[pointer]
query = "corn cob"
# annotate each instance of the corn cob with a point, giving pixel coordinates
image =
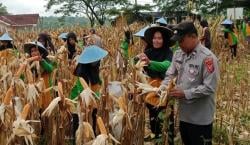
(29, 76)
(8, 96)
(25, 112)
(101, 125)
(83, 83)
(122, 104)
(33, 58)
(60, 91)
(20, 70)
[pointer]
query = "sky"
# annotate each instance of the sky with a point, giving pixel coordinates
(35, 6)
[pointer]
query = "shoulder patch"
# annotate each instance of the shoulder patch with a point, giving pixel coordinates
(209, 64)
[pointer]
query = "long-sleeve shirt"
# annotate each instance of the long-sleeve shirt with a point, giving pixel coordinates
(124, 46)
(47, 66)
(159, 66)
(197, 75)
(231, 36)
(244, 29)
(76, 90)
(90, 72)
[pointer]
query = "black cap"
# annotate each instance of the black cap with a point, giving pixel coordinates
(182, 29)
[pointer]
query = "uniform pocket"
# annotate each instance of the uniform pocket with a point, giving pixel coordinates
(193, 72)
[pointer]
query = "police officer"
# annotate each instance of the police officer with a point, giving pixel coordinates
(197, 73)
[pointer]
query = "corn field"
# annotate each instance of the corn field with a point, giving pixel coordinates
(120, 119)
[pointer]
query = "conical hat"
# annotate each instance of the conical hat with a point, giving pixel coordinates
(91, 54)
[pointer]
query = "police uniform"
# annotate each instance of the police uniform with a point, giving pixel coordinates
(197, 74)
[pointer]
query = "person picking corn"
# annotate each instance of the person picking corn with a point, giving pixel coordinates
(197, 72)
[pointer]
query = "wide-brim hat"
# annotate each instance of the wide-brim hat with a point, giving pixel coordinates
(149, 33)
(227, 22)
(63, 36)
(27, 46)
(91, 54)
(161, 21)
(5, 37)
(141, 32)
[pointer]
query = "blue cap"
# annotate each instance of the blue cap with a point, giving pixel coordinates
(27, 46)
(227, 22)
(161, 21)
(5, 37)
(141, 32)
(63, 35)
(91, 54)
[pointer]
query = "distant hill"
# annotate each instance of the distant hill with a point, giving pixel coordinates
(55, 22)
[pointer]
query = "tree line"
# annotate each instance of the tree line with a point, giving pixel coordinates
(99, 11)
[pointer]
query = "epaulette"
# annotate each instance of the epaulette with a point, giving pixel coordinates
(206, 51)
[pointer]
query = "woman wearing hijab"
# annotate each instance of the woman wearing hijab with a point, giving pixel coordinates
(6, 43)
(88, 69)
(247, 33)
(71, 45)
(63, 36)
(125, 44)
(230, 36)
(158, 58)
(206, 36)
(37, 49)
(45, 39)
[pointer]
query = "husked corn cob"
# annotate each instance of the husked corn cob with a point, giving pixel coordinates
(8, 96)
(25, 112)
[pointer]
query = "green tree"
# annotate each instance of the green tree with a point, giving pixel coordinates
(3, 9)
(171, 5)
(95, 10)
(208, 6)
(133, 12)
(201, 6)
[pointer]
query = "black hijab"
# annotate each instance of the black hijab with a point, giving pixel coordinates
(160, 55)
(71, 48)
(43, 37)
(9, 45)
(90, 72)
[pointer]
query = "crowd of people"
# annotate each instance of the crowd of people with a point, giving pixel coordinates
(193, 64)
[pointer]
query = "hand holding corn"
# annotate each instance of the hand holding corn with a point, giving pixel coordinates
(177, 93)
(164, 91)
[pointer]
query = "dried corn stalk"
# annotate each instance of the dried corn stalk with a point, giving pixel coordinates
(116, 123)
(54, 104)
(69, 104)
(146, 88)
(32, 93)
(88, 98)
(139, 71)
(101, 139)
(84, 133)
(164, 93)
(21, 128)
